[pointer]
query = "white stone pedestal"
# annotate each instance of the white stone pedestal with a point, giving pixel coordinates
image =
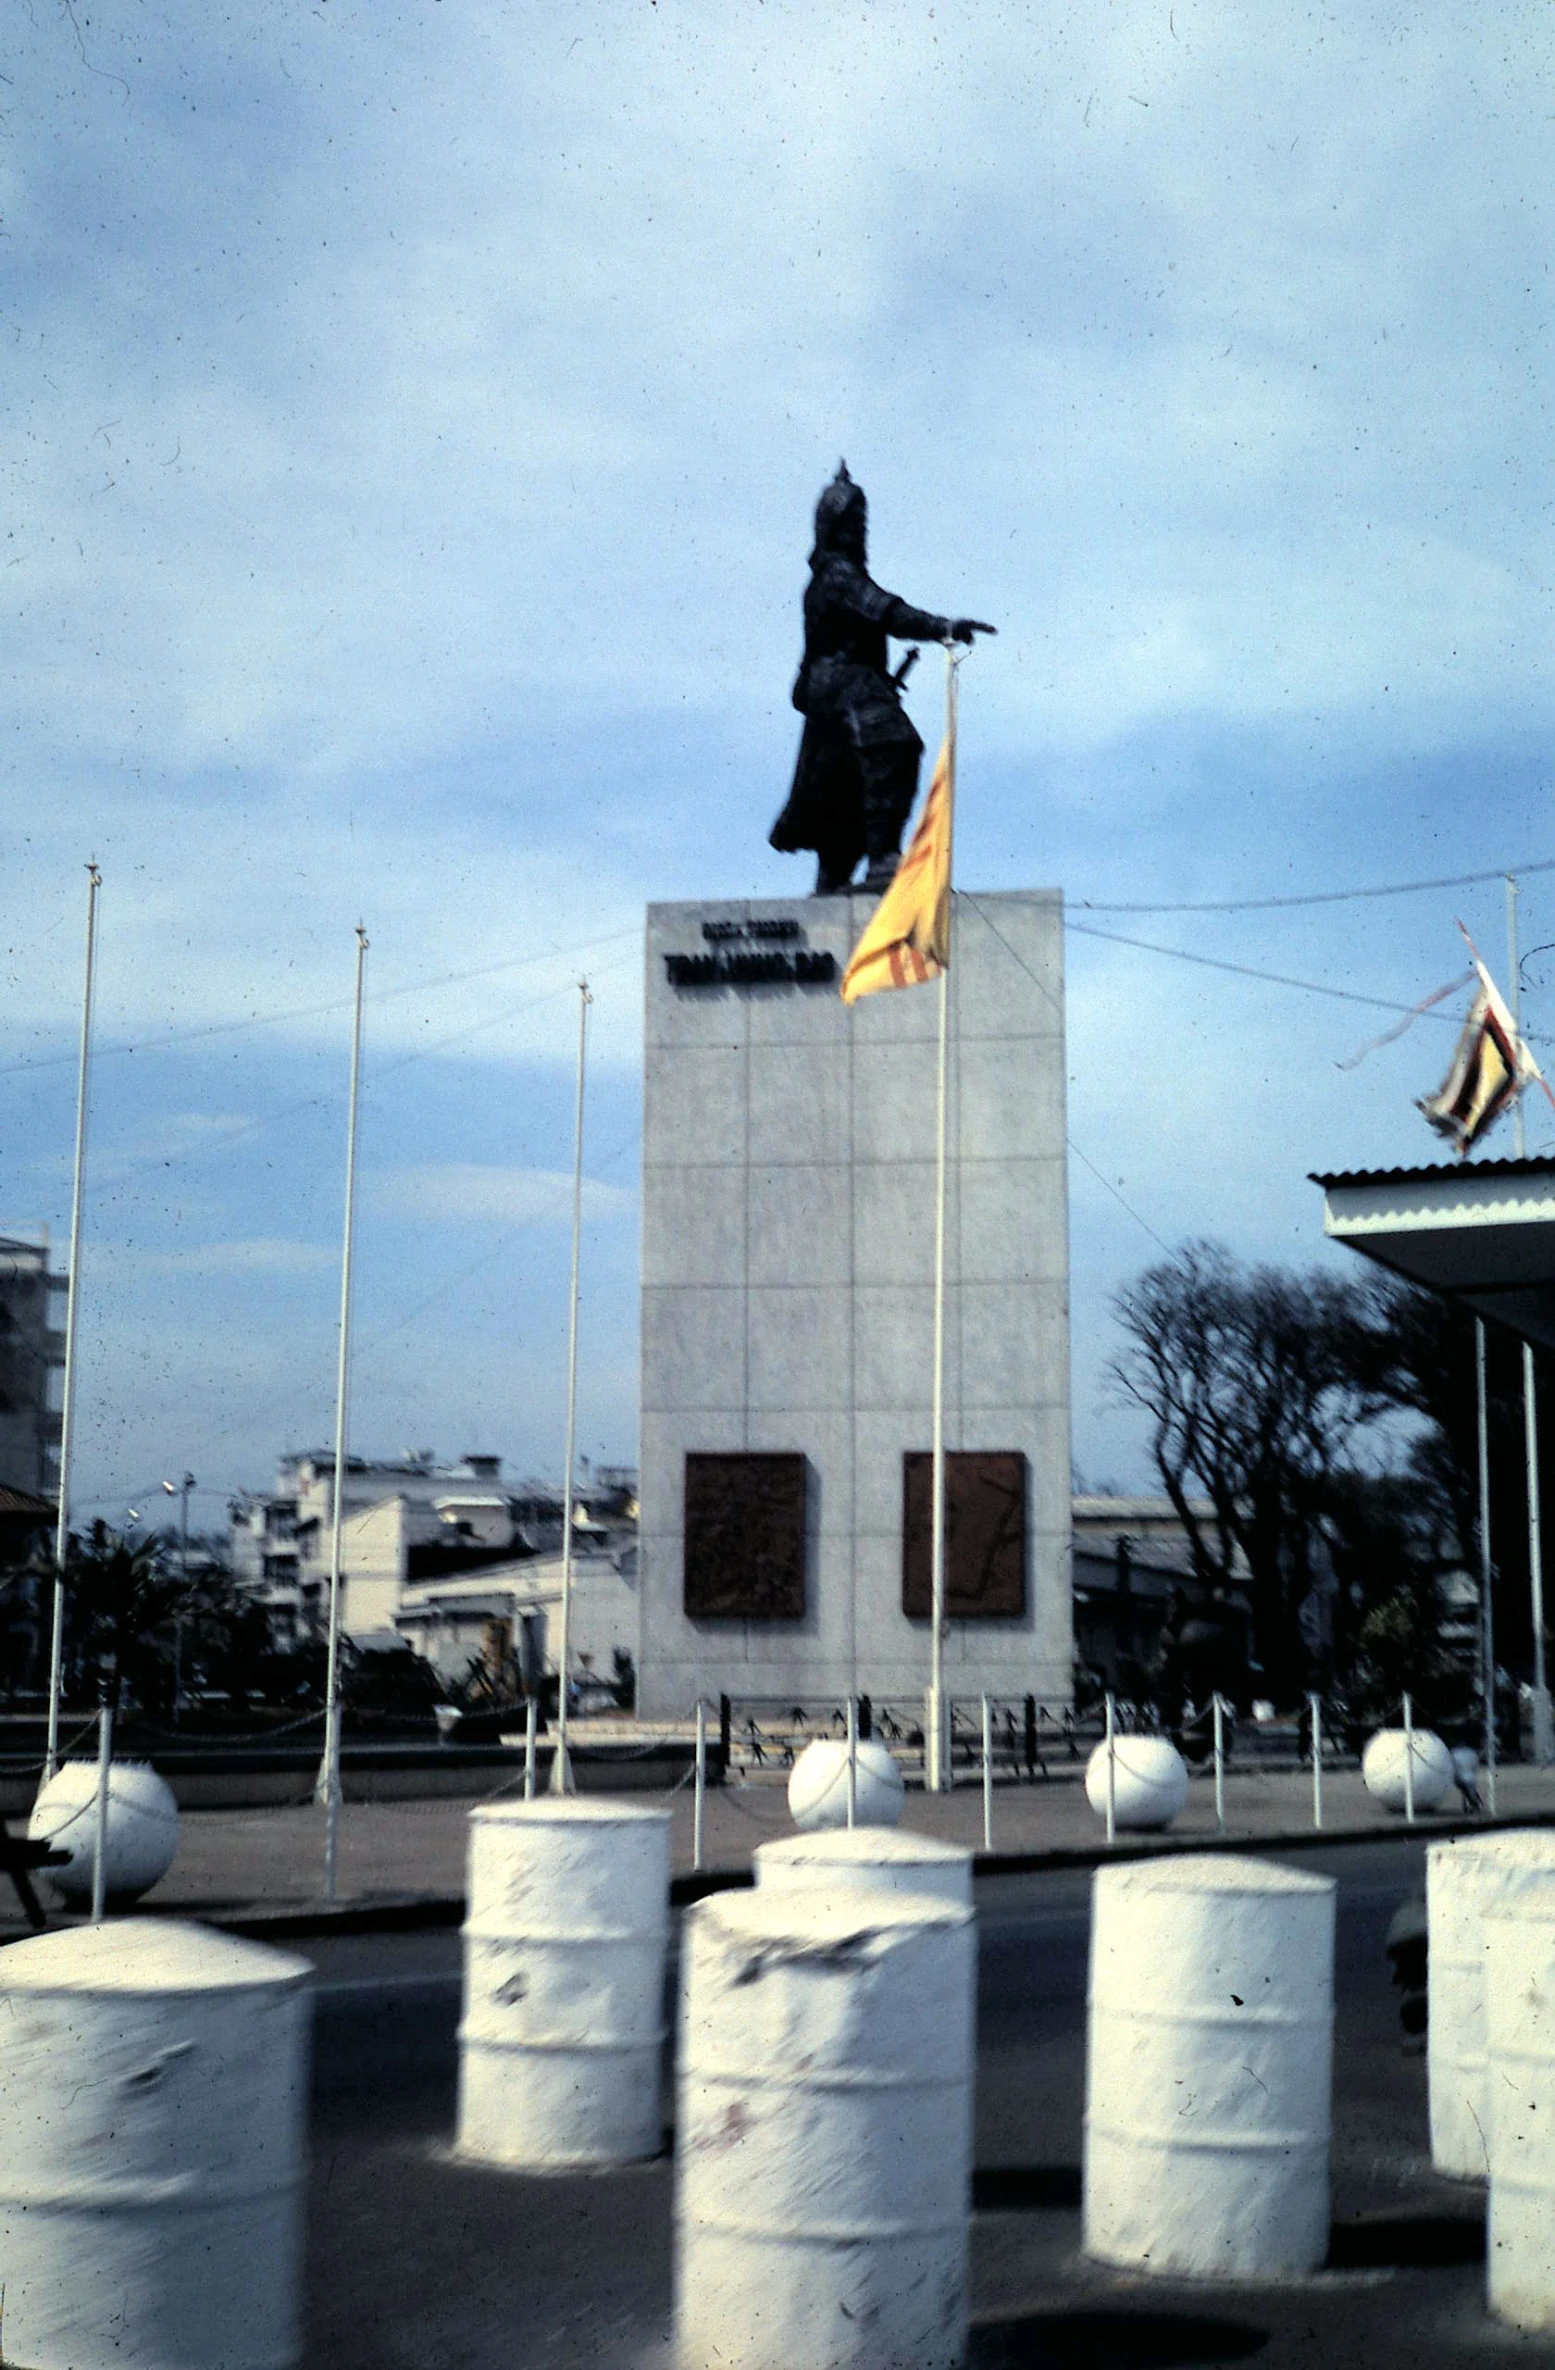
(788, 1266)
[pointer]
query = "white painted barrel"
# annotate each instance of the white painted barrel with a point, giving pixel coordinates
(818, 1785)
(1208, 2068)
(878, 1859)
(153, 2094)
(1520, 2223)
(824, 2134)
(1467, 1881)
(142, 1828)
(1391, 1752)
(1149, 1781)
(564, 1952)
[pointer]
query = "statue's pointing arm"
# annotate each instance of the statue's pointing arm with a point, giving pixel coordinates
(902, 621)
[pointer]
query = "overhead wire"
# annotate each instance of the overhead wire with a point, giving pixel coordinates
(267, 1020)
(393, 1327)
(429, 984)
(390, 1330)
(1460, 880)
(419, 1053)
(1084, 1158)
(1309, 987)
(436, 981)
(320, 1102)
(1082, 928)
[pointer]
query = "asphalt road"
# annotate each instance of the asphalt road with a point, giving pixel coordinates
(416, 2260)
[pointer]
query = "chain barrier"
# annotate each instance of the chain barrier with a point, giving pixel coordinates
(468, 1802)
(21, 1769)
(1028, 1742)
(220, 1743)
(1025, 1734)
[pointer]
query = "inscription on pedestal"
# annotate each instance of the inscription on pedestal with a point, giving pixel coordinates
(985, 1533)
(752, 953)
(744, 1537)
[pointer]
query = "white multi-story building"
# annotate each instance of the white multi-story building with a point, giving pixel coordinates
(283, 1543)
(435, 1554)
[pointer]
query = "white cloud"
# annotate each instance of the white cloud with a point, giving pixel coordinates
(449, 429)
(461, 1191)
(259, 1255)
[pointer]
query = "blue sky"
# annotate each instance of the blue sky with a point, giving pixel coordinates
(412, 419)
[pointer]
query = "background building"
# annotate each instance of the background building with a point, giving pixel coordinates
(282, 1543)
(509, 1616)
(1133, 1571)
(444, 1555)
(26, 1536)
(32, 1364)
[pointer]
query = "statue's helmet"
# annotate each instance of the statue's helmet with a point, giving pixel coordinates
(840, 516)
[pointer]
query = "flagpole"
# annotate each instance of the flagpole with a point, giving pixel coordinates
(936, 1773)
(1539, 1704)
(1487, 1612)
(327, 1789)
(94, 881)
(561, 1766)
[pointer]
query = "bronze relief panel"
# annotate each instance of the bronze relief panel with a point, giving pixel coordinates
(985, 1533)
(745, 1537)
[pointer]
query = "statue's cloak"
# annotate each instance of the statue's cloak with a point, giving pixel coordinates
(846, 694)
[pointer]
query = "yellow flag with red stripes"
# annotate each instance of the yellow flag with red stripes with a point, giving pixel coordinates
(908, 939)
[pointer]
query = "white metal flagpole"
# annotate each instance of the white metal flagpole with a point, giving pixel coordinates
(936, 1760)
(1487, 1610)
(1543, 1717)
(72, 1305)
(561, 1766)
(1514, 1000)
(327, 1790)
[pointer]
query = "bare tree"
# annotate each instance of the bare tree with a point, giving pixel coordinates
(1257, 1383)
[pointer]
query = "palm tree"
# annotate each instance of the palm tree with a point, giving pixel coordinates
(121, 1602)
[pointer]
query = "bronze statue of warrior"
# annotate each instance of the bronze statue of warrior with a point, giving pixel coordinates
(857, 774)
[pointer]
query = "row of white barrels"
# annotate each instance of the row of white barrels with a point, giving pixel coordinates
(823, 2128)
(153, 2078)
(826, 2060)
(153, 2086)
(826, 2055)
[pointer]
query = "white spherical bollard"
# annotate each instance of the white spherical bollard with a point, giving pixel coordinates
(818, 1785)
(564, 1952)
(824, 2134)
(142, 1826)
(1385, 1760)
(1520, 2224)
(876, 1859)
(1467, 1882)
(1208, 2068)
(1150, 1781)
(153, 2100)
